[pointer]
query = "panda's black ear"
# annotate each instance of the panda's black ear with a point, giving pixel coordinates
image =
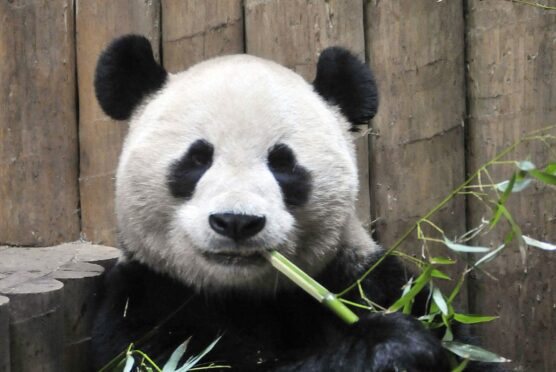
(343, 80)
(126, 72)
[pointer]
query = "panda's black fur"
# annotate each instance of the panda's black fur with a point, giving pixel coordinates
(280, 330)
(288, 331)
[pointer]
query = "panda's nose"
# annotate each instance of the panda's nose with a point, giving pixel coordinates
(236, 226)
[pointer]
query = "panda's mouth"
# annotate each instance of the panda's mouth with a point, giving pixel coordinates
(242, 258)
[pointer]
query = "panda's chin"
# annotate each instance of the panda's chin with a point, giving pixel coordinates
(228, 258)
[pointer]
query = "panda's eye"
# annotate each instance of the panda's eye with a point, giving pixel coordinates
(294, 179)
(187, 171)
(199, 154)
(281, 158)
(200, 159)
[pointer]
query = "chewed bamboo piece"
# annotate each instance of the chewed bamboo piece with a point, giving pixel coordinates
(311, 286)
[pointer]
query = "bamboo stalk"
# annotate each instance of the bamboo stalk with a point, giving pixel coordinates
(311, 286)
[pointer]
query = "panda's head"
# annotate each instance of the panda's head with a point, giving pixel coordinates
(232, 157)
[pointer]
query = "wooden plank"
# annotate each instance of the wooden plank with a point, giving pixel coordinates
(294, 33)
(100, 139)
(38, 132)
(195, 30)
(512, 75)
(4, 334)
(418, 152)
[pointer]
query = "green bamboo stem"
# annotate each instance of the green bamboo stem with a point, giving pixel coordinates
(311, 286)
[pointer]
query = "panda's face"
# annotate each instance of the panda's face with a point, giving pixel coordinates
(233, 157)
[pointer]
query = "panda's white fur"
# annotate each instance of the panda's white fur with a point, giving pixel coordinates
(242, 105)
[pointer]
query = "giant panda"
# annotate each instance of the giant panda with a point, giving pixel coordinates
(233, 157)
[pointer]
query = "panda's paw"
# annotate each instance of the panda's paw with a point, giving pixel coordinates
(400, 343)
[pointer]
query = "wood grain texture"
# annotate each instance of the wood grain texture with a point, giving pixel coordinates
(293, 33)
(196, 30)
(38, 132)
(512, 80)
(4, 334)
(52, 293)
(416, 51)
(100, 138)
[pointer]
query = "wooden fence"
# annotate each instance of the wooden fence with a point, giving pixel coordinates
(459, 81)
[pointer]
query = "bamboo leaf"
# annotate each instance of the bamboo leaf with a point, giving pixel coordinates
(172, 363)
(550, 168)
(440, 275)
(538, 244)
(420, 282)
(502, 201)
(129, 362)
(407, 307)
(407, 287)
(516, 230)
(547, 178)
(489, 256)
(191, 362)
(473, 352)
(473, 318)
(427, 318)
(519, 185)
(526, 165)
(448, 335)
(439, 301)
(461, 367)
(464, 248)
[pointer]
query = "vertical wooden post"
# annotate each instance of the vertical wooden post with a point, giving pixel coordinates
(511, 91)
(38, 132)
(195, 30)
(100, 138)
(294, 33)
(416, 50)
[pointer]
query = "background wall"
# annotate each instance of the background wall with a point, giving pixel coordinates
(459, 81)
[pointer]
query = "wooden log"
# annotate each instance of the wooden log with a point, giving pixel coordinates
(38, 132)
(294, 33)
(512, 74)
(100, 139)
(4, 334)
(195, 30)
(52, 294)
(36, 325)
(82, 282)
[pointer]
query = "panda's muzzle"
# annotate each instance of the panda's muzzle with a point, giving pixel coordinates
(237, 227)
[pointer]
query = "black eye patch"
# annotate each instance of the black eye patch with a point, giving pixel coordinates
(187, 171)
(294, 180)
